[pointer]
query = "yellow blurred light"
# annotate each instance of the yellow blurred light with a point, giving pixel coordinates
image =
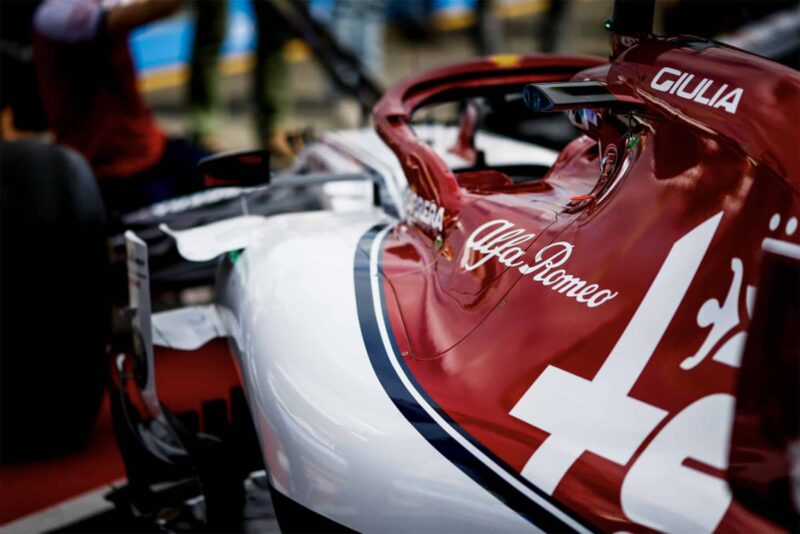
(505, 60)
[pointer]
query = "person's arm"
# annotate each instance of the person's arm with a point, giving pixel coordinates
(123, 18)
(72, 21)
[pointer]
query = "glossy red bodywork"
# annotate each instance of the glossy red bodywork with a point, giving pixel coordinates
(426, 172)
(476, 340)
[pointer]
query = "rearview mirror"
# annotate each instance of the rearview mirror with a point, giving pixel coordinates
(243, 168)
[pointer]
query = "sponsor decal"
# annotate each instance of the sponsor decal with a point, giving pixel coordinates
(424, 212)
(724, 319)
(671, 478)
(609, 161)
(499, 240)
(703, 91)
(600, 415)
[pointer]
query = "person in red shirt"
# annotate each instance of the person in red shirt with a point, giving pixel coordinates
(91, 97)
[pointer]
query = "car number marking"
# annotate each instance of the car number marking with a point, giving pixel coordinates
(598, 415)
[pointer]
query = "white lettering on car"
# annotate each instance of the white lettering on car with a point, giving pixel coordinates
(701, 498)
(724, 319)
(424, 211)
(675, 82)
(500, 239)
(600, 416)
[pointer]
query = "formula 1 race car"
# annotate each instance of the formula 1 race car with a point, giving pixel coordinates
(472, 333)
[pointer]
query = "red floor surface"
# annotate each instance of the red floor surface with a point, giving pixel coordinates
(184, 381)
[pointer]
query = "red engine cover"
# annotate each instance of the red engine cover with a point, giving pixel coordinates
(592, 347)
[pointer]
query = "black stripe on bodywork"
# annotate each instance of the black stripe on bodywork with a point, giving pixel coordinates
(294, 517)
(422, 421)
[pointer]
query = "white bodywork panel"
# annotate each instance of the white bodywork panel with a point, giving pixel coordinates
(141, 307)
(204, 243)
(332, 438)
(367, 147)
(187, 328)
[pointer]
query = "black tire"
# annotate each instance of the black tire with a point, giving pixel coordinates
(54, 305)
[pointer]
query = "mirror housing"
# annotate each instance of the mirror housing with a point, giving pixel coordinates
(246, 168)
(563, 96)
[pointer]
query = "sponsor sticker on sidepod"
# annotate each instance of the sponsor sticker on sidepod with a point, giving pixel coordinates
(499, 240)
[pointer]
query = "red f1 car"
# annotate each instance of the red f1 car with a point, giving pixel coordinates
(479, 334)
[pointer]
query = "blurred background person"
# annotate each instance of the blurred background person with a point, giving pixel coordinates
(487, 32)
(358, 26)
(271, 90)
(552, 27)
(271, 93)
(90, 94)
(205, 104)
(20, 104)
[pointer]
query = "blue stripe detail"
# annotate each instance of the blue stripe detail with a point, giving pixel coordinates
(424, 423)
